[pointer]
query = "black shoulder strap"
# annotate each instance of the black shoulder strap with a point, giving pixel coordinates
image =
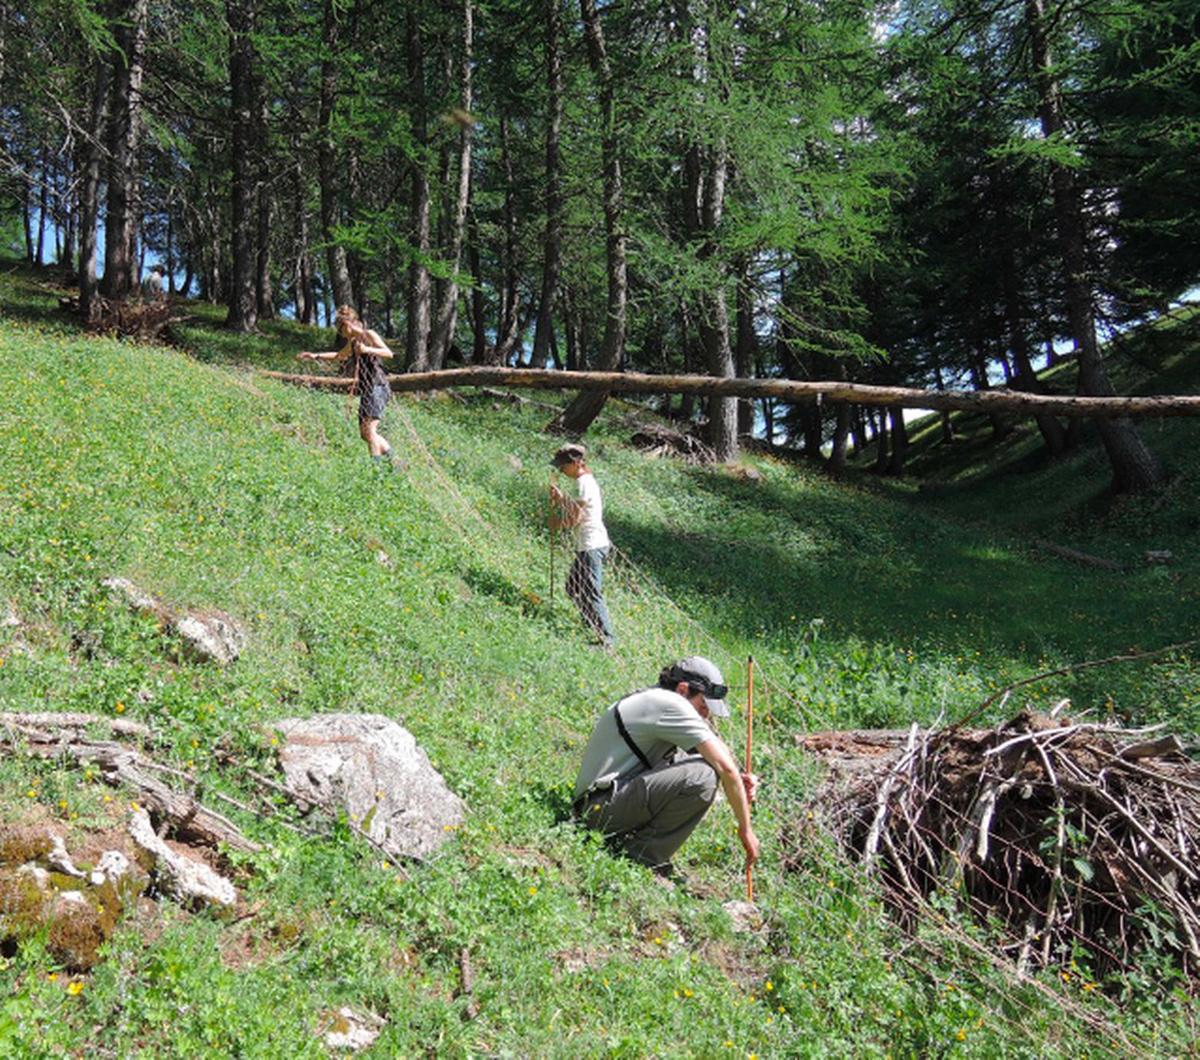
(629, 739)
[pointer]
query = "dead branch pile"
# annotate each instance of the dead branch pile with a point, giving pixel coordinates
(1066, 837)
(129, 319)
(655, 440)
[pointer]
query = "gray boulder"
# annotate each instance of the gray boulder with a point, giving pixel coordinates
(370, 767)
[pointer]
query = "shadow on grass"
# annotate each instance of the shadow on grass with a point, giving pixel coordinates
(889, 575)
(495, 585)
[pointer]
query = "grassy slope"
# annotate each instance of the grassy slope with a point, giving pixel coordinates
(213, 487)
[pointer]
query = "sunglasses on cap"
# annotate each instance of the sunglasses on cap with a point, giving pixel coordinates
(701, 684)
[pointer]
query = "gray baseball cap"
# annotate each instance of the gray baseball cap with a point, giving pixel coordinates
(703, 673)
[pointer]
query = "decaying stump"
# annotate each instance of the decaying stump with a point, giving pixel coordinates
(655, 440)
(143, 321)
(1068, 835)
(187, 880)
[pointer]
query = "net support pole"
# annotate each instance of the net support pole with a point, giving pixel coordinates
(550, 528)
(749, 752)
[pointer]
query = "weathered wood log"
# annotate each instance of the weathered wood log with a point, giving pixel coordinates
(42, 735)
(39, 721)
(833, 391)
(1075, 556)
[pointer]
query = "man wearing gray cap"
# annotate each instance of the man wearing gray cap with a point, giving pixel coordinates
(651, 767)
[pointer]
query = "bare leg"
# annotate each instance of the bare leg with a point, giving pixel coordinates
(377, 444)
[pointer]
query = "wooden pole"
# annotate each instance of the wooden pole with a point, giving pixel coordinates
(749, 746)
(550, 527)
(788, 390)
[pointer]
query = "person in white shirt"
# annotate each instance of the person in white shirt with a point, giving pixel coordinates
(652, 766)
(586, 516)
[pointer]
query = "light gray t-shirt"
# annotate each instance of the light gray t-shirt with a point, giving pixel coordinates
(657, 719)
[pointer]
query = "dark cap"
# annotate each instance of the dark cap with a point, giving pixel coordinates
(568, 454)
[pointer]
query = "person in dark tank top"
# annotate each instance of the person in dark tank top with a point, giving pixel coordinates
(361, 357)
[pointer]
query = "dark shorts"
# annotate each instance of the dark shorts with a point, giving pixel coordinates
(372, 402)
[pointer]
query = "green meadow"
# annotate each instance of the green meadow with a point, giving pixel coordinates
(422, 592)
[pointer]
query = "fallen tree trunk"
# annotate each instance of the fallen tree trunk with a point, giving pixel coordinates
(835, 392)
(50, 735)
(1075, 556)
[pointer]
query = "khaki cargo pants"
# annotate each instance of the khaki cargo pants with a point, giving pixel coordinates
(651, 814)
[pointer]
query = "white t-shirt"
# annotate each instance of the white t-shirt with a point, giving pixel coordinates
(658, 721)
(589, 531)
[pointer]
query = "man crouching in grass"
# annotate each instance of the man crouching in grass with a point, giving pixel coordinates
(651, 767)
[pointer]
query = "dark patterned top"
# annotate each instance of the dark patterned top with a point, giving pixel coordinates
(367, 370)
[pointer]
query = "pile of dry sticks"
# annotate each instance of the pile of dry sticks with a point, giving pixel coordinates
(1066, 836)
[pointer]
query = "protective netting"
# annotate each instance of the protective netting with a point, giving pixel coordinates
(940, 915)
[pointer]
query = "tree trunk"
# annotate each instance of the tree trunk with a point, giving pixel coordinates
(339, 273)
(508, 324)
(263, 291)
(43, 208)
(479, 346)
(1053, 434)
(687, 402)
(170, 248)
(795, 392)
(899, 432)
(120, 219)
(447, 311)
(579, 414)
(881, 440)
(243, 299)
(947, 424)
(27, 218)
(212, 277)
(704, 178)
(571, 315)
(89, 191)
(1134, 467)
(746, 355)
(417, 336)
(841, 430)
(552, 259)
(858, 431)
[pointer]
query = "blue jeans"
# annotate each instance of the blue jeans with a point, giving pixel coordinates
(584, 581)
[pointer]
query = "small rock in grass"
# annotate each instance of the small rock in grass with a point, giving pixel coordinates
(59, 860)
(347, 1029)
(138, 599)
(1160, 556)
(210, 636)
(206, 636)
(112, 867)
(746, 916)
